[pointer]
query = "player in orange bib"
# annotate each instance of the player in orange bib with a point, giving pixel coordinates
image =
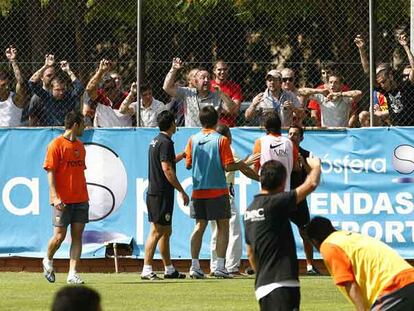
(65, 166)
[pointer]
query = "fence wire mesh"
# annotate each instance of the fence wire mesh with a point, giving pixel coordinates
(311, 38)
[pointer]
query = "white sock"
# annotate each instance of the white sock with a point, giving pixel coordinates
(71, 273)
(309, 267)
(169, 269)
(147, 269)
(220, 263)
(195, 263)
(48, 263)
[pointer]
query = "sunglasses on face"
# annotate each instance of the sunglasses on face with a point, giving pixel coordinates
(290, 79)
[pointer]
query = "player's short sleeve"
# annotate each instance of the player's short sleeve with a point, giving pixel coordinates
(166, 151)
(225, 151)
(188, 153)
(338, 263)
(257, 148)
(52, 158)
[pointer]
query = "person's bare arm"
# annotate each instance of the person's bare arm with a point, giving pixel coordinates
(229, 104)
(312, 180)
(354, 94)
(49, 62)
(125, 106)
(169, 86)
(354, 293)
(251, 256)
(251, 110)
(64, 65)
(54, 198)
(403, 40)
(92, 86)
(20, 97)
(360, 43)
(171, 176)
(306, 91)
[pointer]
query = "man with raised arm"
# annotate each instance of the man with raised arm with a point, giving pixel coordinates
(11, 103)
(271, 246)
(194, 99)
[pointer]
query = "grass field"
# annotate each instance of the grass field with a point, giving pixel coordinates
(30, 291)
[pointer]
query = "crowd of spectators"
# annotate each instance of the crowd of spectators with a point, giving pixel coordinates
(54, 90)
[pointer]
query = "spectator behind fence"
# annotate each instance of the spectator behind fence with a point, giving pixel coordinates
(11, 103)
(327, 69)
(393, 102)
(274, 98)
(59, 100)
(288, 84)
(150, 107)
(231, 88)
(76, 298)
(335, 105)
(107, 96)
(367, 271)
(36, 103)
(194, 99)
(118, 80)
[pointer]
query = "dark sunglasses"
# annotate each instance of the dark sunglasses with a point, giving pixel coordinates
(287, 79)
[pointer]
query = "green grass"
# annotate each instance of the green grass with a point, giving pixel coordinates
(30, 291)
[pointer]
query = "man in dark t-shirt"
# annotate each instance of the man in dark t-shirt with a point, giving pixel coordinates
(160, 197)
(271, 246)
(301, 216)
(399, 97)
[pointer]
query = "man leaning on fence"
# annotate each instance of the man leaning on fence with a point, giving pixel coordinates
(194, 99)
(59, 100)
(335, 105)
(11, 103)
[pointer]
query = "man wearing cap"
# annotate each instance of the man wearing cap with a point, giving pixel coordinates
(284, 102)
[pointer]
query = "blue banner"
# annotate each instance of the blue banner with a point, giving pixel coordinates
(367, 186)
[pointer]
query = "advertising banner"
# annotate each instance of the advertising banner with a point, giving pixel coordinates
(367, 186)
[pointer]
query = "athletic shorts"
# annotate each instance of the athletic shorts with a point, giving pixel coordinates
(281, 299)
(400, 300)
(160, 208)
(72, 213)
(301, 216)
(211, 209)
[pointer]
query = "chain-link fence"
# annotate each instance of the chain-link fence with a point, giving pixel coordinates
(313, 38)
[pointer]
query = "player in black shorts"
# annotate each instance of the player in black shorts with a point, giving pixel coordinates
(160, 196)
(271, 246)
(301, 216)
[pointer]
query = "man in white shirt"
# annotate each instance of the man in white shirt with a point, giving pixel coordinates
(11, 103)
(335, 104)
(150, 107)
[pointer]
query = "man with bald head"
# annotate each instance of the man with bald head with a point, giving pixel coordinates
(197, 97)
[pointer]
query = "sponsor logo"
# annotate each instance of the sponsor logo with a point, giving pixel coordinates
(403, 163)
(254, 215)
(275, 146)
(167, 217)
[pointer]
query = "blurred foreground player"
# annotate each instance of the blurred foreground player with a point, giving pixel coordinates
(367, 271)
